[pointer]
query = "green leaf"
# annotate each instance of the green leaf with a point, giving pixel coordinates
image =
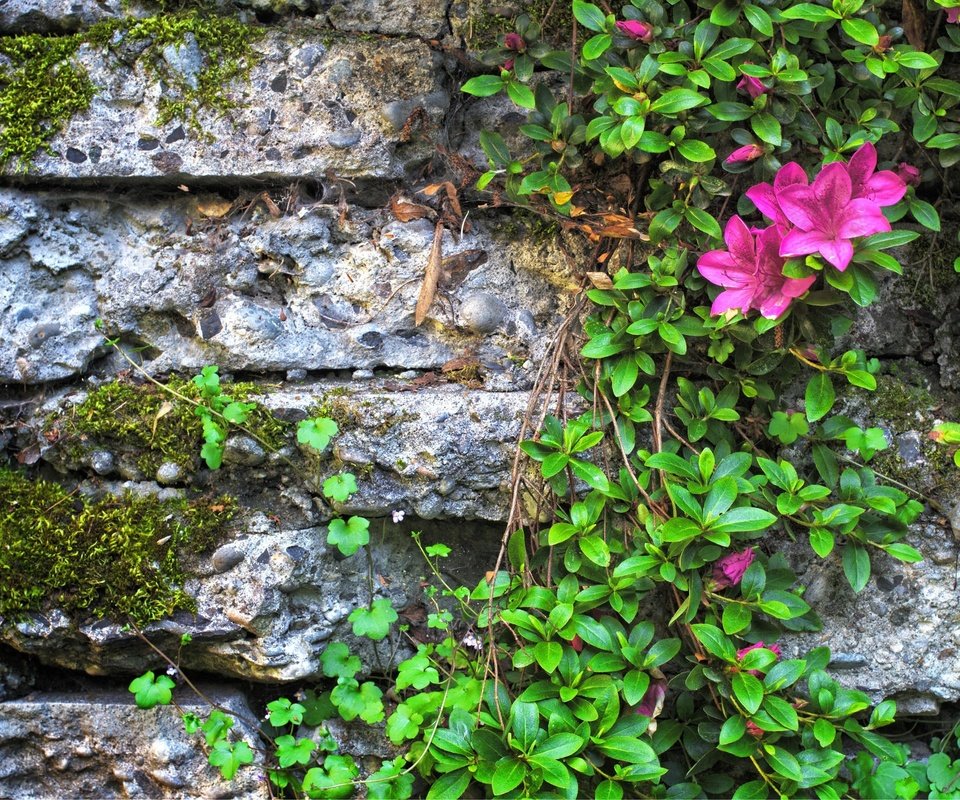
(676, 100)
(743, 519)
(509, 772)
(915, 59)
(782, 712)
(283, 712)
(521, 95)
(703, 221)
(230, 757)
(713, 639)
(821, 540)
(495, 148)
(336, 662)
(809, 12)
(450, 786)
(317, 432)
(753, 790)
(596, 46)
(673, 464)
(591, 17)
(783, 762)
(292, 751)
(736, 618)
(340, 487)
(212, 454)
(819, 396)
(925, 214)
(149, 690)
(696, 151)
(904, 552)
(860, 30)
(628, 749)
(590, 474)
(374, 622)
(733, 730)
(548, 655)
(759, 19)
(824, 732)
(856, 565)
(767, 127)
(560, 745)
(624, 375)
(483, 85)
(748, 690)
(237, 413)
(349, 536)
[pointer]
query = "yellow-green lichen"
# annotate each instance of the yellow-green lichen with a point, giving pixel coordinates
(154, 423)
(43, 86)
(117, 558)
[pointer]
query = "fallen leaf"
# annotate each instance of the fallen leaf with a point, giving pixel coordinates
(406, 210)
(600, 280)
(431, 277)
(165, 408)
(214, 207)
(914, 23)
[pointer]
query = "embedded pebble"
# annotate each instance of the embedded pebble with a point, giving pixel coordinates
(362, 374)
(42, 332)
(344, 138)
(243, 450)
(482, 312)
(102, 462)
(186, 59)
(226, 557)
(169, 472)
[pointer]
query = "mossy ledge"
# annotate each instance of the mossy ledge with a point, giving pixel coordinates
(156, 424)
(118, 557)
(43, 86)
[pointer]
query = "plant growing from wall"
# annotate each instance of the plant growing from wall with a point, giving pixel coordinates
(715, 427)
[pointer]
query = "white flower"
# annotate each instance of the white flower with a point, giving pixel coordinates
(173, 672)
(397, 517)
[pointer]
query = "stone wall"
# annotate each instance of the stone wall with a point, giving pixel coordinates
(276, 241)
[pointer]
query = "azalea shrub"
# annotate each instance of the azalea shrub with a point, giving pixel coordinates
(748, 173)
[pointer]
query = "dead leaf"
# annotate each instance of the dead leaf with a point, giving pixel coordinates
(272, 207)
(457, 266)
(431, 277)
(29, 455)
(562, 197)
(451, 192)
(600, 280)
(914, 23)
(463, 362)
(406, 210)
(214, 207)
(165, 408)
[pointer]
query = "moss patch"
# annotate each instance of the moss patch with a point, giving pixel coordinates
(116, 558)
(126, 416)
(43, 86)
(484, 26)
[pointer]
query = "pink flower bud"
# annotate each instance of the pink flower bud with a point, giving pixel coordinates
(749, 152)
(514, 41)
(752, 86)
(908, 173)
(636, 29)
(729, 570)
(753, 730)
(508, 64)
(953, 14)
(773, 648)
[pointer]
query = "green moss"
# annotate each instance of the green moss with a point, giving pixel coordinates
(43, 86)
(224, 41)
(40, 90)
(484, 26)
(153, 422)
(336, 405)
(117, 558)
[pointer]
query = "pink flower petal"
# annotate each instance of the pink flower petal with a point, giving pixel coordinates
(861, 218)
(862, 165)
(802, 243)
(839, 252)
(791, 174)
(795, 287)
(832, 189)
(739, 241)
(719, 267)
(885, 188)
(764, 199)
(799, 206)
(737, 299)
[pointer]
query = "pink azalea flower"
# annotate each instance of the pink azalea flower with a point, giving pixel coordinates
(508, 64)
(827, 217)
(908, 173)
(729, 570)
(953, 14)
(752, 86)
(514, 41)
(751, 271)
(753, 730)
(883, 188)
(652, 702)
(773, 648)
(749, 152)
(764, 195)
(636, 29)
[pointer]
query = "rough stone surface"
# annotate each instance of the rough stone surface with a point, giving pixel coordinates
(296, 128)
(200, 280)
(267, 606)
(98, 744)
(423, 18)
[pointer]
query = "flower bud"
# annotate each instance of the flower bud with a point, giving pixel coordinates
(514, 41)
(742, 155)
(908, 173)
(752, 86)
(636, 29)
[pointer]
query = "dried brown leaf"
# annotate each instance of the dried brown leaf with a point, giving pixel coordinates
(406, 210)
(914, 23)
(431, 277)
(600, 280)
